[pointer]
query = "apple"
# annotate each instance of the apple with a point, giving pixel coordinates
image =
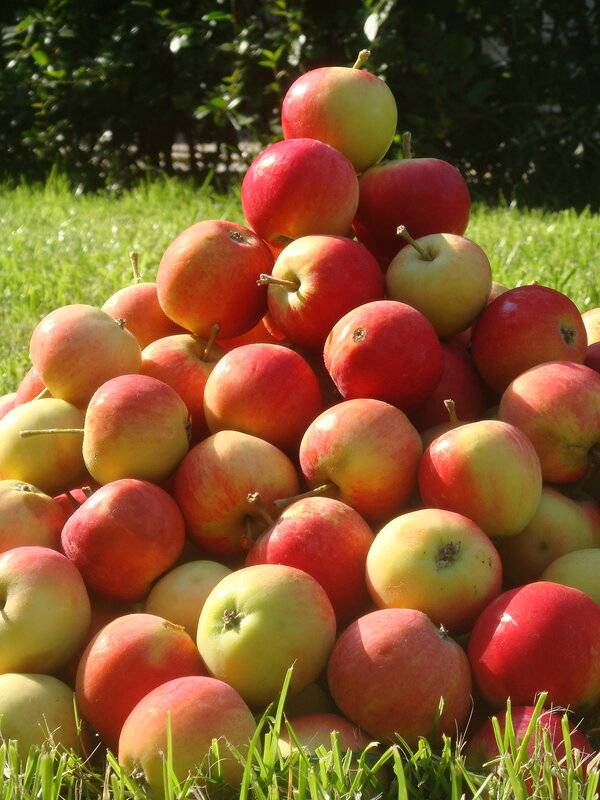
(437, 562)
(30, 387)
(184, 363)
(138, 305)
(366, 454)
(557, 405)
(488, 471)
(77, 348)
(7, 403)
(315, 281)
(559, 526)
(299, 187)
(592, 511)
(259, 334)
(180, 594)
(538, 637)
(38, 709)
(387, 351)
(579, 569)
(592, 356)
(265, 390)
(313, 699)
(349, 108)
(28, 517)
(460, 381)
(258, 622)
(314, 730)
(207, 278)
(446, 277)
(124, 537)
(45, 610)
(524, 327)
(379, 656)
(52, 463)
(591, 320)
(452, 421)
(329, 541)
(123, 663)
(225, 488)
(426, 195)
(70, 500)
(195, 710)
(464, 337)
(135, 427)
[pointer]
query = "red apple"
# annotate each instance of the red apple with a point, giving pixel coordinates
(123, 663)
(28, 517)
(70, 500)
(364, 452)
(488, 471)
(524, 327)
(314, 730)
(464, 337)
(349, 108)
(381, 654)
(384, 350)
(265, 390)
(184, 363)
(207, 277)
(299, 187)
(541, 637)
(213, 484)
(121, 539)
(592, 356)
(315, 281)
(425, 195)
(138, 305)
(557, 405)
(329, 541)
(30, 387)
(259, 334)
(186, 715)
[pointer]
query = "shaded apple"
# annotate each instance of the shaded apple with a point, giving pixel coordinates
(592, 356)
(314, 730)
(30, 387)
(579, 569)
(28, 517)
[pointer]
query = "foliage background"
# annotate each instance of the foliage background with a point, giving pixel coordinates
(102, 89)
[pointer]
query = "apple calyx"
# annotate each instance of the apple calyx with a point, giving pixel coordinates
(451, 409)
(406, 144)
(134, 257)
(25, 487)
(265, 280)
(232, 619)
(401, 231)
(40, 431)
(443, 632)
(568, 334)
(316, 492)
(121, 322)
(361, 59)
(446, 555)
(240, 237)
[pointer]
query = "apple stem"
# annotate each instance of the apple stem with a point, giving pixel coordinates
(74, 501)
(361, 59)
(38, 432)
(121, 322)
(43, 394)
(401, 231)
(247, 541)
(264, 280)
(451, 409)
(406, 144)
(318, 490)
(214, 332)
(87, 491)
(260, 507)
(134, 257)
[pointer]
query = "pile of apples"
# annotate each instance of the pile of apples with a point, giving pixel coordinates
(325, 440)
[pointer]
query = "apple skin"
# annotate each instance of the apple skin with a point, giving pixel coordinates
(329, 541)
(382, 653)
(592, 356)
(207, 276)
(28, 517)
(126, 660)
(426, 195)
(212, 486)
(557, 405)
(464, 337)
(7, 403)
(29, 388)
(350, 109)
(578, 569)
(591, 320)
(179, 362)
(488, 471)
(437, 562)
(265, 390)
(135, 427)
(197, 709)
(334, 275)
(180, 594)
(259, 334)
(299, 187)
(450, 287)
(314, 730)
(77, 348)
(45, 610)
(34, 708)
(259, 621)
(524, 327)
(369, 450)
(387, 351)
(124, 537)
(538, 637)
(559, 526)
(461, 383)
(52, 462)
(138, 305)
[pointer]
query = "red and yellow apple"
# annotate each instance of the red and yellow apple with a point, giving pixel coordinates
(28, 517)
(579, 569)
(314, 730)
(138, 306)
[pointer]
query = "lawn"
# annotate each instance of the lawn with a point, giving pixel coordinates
(59, 248)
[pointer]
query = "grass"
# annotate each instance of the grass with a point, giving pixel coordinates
(58, 248)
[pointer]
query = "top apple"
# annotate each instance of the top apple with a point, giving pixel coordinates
(349, 108)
